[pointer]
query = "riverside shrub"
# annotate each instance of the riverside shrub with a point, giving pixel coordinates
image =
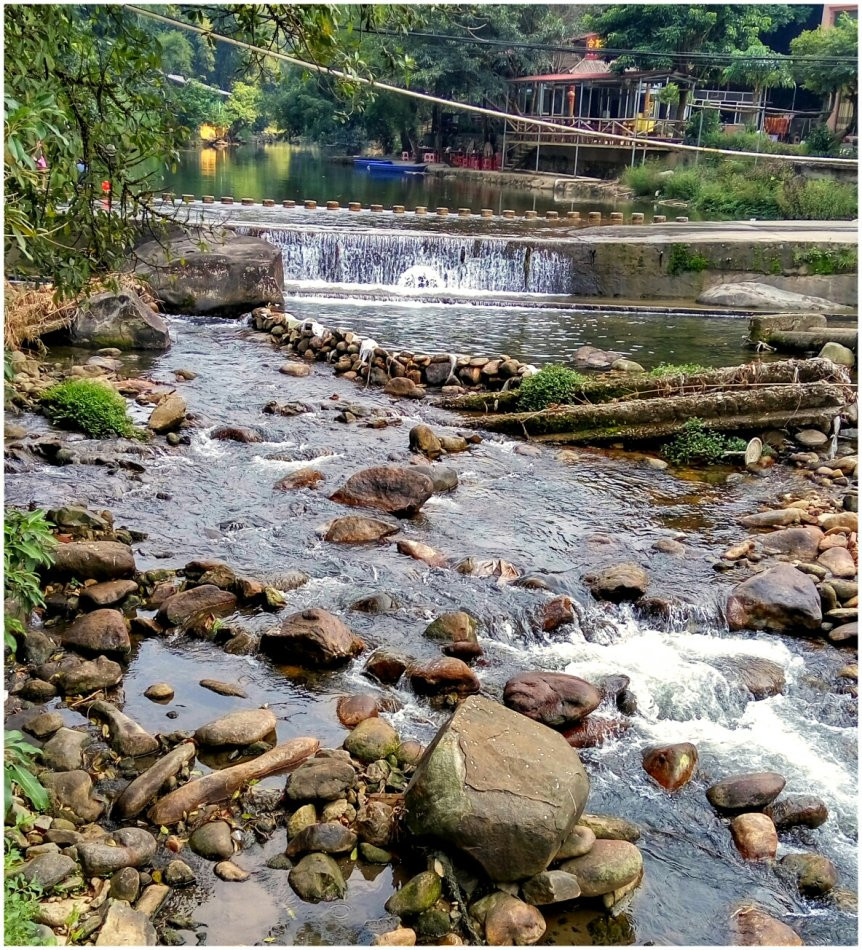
(551, 386)
(94, 408)
(696, 443)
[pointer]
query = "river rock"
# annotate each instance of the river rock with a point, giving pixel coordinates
(774, 518)
(235, 434)
(398, 491)
(106, 594)
(424, 441)
(303, 478)
(320, 780)
(445, 675)
(754, 835)
(120, 320)
(839, 562)
(126, 927)
(230, 872)
(126, 847)
(99, 560)
(747, 792)
(142, 790)
(64, 751)
(551, 887)
(178, 874)
(557, 612)
(753, 295)
(71, 792)
(815, 875)
(781, 599)
(619, 582)
(403, 388)
(453, 627)
(400, 937)
(839, 519)
(232, 276)
(376, 823)
(418, 894)
(755, 928)
(507, 921)
(608, 866)
(312, 636)
(44, 724)
(672, 766)
(807, 810)
(223, 689)
(844, 634)
(329, 837)
(800, 543)
(169, 414)
(610, 827)
(317, 878)
(386, 666)
(371, 740)
(762, 678)
(102, 631)
(579, 842)
(491, 567)
(355, 529)
(474, 788)
(212, 841)
(811, 438)
(443, 477)
(421, 552)
(352, 710)
(46, 870)
(555, 699)
(125, 885)
(189, 606)
(86, 676)
(239, 728)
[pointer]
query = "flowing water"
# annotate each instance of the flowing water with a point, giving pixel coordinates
(554, 515)
(282, 171)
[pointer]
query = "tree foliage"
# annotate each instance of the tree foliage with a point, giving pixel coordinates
(830, 78)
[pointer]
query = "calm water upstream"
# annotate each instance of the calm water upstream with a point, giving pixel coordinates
(552, 514)
(282, 171)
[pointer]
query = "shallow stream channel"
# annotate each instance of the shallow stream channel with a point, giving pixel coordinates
(556, 515)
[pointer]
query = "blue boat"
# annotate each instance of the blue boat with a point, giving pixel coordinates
(376, 166)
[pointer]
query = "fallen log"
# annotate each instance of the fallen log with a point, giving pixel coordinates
(607, 387)
(739, 410)
(217, 786)
(801, 341)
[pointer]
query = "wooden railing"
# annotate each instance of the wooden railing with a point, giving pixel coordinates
(597, 130)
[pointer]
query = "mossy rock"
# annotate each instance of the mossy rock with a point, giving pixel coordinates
(371, 740)
(419, 894)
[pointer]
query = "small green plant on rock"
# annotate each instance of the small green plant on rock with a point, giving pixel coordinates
(663, 370)
(20, 906)
(94, 408)
(552, 385)
(682, 260)
(27, 545)
(697, 444)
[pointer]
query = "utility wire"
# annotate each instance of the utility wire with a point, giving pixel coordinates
(479, 110)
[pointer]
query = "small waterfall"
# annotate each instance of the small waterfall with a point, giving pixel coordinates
(413, 261)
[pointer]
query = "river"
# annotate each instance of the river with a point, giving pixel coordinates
(555, 515)
(281, 171)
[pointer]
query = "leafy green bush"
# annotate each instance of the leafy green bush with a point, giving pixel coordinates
(27, 545)
(827, 260)
(738, 198)
(644, 180)
(818, 200)
(821, 140)
(697, 444)
(551, 385)
(682, 260)
(703, 124)
(663, 370)
(94, 408)
(683, 184)
(20, 905)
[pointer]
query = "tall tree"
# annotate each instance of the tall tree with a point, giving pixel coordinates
(834, 70)
(666, 36)
(762, 69)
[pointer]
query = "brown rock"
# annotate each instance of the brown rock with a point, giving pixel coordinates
(619, 582)
(312, 636)
(354, 529)
(446, 675)
(189, 606)
(799, 543)
(755, 928)
(839, 562)
(672, 766)
(512, 923)
(101, 631)
(235, 434)
(399, 491)
(351, 710)
(555, 699)
(106, 594)
(746, 792)
(424, 441)
(99, 560)
(386, 666)
(303, 478)
(556, 612)
(781, 599)
(755, 836)
(806, 810)
(421, 552)
(453, 627)
(593, 732)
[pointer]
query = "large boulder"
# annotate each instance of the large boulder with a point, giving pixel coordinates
(502, 788)
(312, 636)
(233, 275)
(97, 560)
(751, 295)
(782, 599)
(188, 606)
(120, 320)
(399, 491)
(555, 699)
(101, 631)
